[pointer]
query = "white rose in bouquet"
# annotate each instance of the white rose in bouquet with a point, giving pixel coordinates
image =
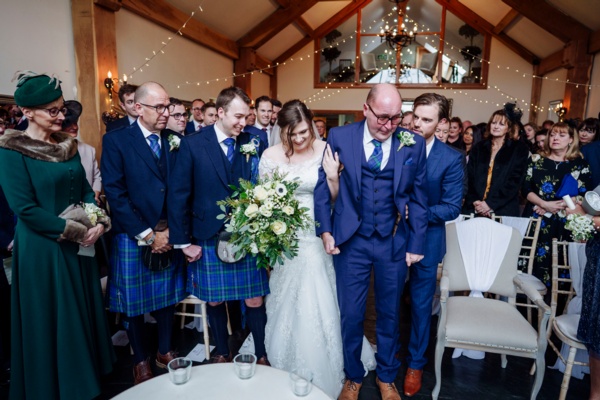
(288, 210)
(251, 211)
(260, 193)
(265, 211)
(278, 227)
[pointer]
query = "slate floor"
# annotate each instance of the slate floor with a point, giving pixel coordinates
(461, 378)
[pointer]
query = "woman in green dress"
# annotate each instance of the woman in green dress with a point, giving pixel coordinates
(60, 339)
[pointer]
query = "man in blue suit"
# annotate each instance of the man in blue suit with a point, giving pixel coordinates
(445, 176)
(136, 164)
(384, 172)
(127, 103)
(207, 164)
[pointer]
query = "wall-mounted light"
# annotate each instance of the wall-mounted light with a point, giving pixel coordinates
(109, 84)
(560, 111)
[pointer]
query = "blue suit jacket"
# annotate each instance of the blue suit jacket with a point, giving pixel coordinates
(591, 153)
(409, 189)
(445, 176)
(200, 178)
(134, 185)
(262, 135)
(120, 123)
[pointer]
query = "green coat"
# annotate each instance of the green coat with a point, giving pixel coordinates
(60, 339)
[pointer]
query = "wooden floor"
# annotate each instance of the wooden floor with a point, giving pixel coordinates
(462, 378)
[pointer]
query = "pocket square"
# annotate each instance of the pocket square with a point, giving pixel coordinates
(409, 161)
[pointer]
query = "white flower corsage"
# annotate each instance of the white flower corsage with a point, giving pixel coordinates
(174, 142)
(581, 227)
(249, 149)
(406, 139)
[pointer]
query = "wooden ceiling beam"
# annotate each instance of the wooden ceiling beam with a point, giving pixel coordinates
(552, 62)
(550, 19)
(476, 21)
(302, 24)
(274, 23)
(324, 29)
(594, 44)
(164, 14)
(264, 62)
(507, 20)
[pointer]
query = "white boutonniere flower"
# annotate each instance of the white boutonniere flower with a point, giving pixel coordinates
(406, 139)
(174, 142)
(249, 149)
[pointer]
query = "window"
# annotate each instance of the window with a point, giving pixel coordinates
(444, 49)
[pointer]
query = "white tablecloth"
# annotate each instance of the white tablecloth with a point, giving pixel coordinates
(219, 381)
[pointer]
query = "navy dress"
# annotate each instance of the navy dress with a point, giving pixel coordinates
(589, 324)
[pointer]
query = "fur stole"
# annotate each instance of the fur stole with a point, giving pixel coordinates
(64, 150)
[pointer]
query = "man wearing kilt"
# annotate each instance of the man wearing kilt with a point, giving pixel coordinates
(136, 163)
(207, 163)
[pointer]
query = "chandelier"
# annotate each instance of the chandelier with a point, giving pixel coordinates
(397, 39)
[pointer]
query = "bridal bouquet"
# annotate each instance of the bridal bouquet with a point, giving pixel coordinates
(264, 219)
(581, 227)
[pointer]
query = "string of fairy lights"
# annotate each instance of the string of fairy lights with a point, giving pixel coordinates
(328, 91)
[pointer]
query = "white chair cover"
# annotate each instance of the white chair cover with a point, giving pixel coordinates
(518, 223)
(482, 262)
(577, 261)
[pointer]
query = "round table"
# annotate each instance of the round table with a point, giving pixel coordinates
(219, 381)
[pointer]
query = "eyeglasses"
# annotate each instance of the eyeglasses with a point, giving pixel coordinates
(178, 116)
(160, 109)
(54, 111)
(382, 120)
(196, 109)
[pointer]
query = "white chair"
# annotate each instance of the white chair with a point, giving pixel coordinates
(565, 324)
(487, 324)
(194, 301)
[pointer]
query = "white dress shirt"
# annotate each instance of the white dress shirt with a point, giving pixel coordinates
(430, 146)
(370, 147)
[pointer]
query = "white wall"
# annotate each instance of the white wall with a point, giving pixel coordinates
(183, 60)
(38, 36)
(468, 104)
(553, 88)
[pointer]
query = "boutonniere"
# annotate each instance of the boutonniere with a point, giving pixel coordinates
(249, 149)
(406, 139)
(174, 142)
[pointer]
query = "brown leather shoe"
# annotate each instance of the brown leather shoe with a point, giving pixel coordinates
(412, 381)
(142, 372)
(350, 390)
(263, 361)
(220, 359)
(162, 361)
(388, 390)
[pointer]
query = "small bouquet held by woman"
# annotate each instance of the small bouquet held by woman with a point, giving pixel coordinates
(264, 219)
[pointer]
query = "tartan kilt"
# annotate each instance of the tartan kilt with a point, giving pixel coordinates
(209, 279)
(133, 289)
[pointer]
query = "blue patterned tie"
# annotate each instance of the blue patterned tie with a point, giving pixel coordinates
(154, 146)
(230, 143)
(376, 157)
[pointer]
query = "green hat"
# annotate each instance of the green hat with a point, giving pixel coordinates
(36, 90)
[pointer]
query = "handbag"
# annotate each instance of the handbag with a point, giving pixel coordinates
(225, 250)
(156, 261)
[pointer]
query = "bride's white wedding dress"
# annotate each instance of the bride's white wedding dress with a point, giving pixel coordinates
(303, 318)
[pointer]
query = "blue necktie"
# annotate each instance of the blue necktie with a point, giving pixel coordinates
(376, 157)
(154, 146)
(230, 143)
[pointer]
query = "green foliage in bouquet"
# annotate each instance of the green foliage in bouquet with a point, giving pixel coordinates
(264, 219)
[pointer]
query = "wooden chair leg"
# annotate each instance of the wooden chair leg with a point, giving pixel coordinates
(205, 326)
(229, 331)
(183, 309)
(564, 386)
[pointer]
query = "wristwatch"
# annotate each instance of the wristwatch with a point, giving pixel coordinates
(150, 241)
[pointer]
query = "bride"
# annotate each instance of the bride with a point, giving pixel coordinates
(303, 322)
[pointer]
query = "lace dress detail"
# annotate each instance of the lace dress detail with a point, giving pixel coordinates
(303, 321)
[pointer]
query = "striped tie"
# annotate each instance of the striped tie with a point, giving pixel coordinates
(154, 146)
(230, 143)
(376, 157)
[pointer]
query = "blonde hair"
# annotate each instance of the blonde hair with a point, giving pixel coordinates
(572, 150)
